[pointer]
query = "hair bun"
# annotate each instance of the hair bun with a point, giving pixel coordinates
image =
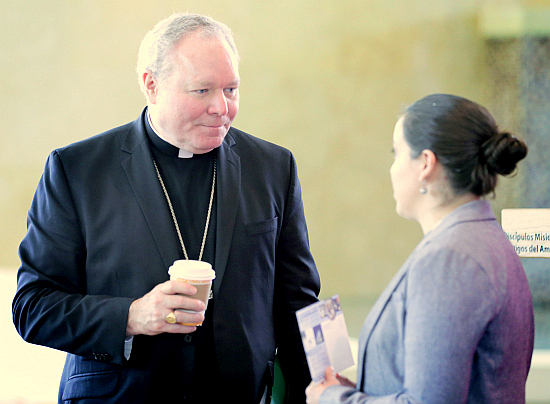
(502, 152)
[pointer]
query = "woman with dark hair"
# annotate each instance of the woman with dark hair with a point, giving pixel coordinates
(455, 325)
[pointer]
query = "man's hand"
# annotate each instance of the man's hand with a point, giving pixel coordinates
(147, 315)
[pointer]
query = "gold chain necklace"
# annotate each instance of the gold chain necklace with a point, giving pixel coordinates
(174, 215)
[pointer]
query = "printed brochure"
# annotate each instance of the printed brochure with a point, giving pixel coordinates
(325, 337)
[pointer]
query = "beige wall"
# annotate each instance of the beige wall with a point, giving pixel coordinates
(324, 78)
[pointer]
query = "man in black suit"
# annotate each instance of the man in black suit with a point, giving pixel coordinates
(113, 212)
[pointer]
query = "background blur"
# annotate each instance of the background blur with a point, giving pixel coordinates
(326, 79)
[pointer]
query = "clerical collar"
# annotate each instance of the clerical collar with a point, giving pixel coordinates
(162, 145)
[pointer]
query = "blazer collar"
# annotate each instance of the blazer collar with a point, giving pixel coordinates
(479, 210)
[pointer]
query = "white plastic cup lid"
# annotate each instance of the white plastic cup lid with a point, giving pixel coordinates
(191, 269)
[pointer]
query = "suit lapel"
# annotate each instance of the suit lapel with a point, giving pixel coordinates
(139, 168)
(137, 163)
(228, 189)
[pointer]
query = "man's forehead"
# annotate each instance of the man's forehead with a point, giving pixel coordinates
(200, 46)
(197, 37)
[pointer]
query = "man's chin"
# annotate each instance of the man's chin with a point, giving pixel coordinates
(209, 144)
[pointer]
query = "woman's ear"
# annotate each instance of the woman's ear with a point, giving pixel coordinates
(429, 163)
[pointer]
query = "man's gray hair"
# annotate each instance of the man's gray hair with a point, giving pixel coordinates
(156, 46)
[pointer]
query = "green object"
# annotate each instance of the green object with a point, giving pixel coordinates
(279, 387)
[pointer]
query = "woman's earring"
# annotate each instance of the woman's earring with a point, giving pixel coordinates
(423, 189)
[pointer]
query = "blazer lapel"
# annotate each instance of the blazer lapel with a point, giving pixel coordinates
(228, 189)
(372, 319)
(378, 308)
(139, 168)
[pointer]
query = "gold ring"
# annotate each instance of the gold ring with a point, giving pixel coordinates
(171, 318)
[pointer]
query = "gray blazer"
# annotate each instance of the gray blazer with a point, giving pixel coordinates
(455, 325)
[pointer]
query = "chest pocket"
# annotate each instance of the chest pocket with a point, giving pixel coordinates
(266, 226)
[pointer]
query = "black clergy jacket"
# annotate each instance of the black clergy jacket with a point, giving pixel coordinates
(100, 234)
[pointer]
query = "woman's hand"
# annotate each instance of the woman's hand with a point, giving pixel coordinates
(314, 390)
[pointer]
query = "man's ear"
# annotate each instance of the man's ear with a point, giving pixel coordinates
(150, 86)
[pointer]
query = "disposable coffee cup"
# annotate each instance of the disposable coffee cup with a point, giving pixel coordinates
(197, 273)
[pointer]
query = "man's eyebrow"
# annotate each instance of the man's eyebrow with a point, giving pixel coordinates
(208, 84)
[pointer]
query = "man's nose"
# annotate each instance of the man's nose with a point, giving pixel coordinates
(218, 104)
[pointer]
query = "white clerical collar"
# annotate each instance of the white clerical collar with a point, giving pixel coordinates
(182, 154)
